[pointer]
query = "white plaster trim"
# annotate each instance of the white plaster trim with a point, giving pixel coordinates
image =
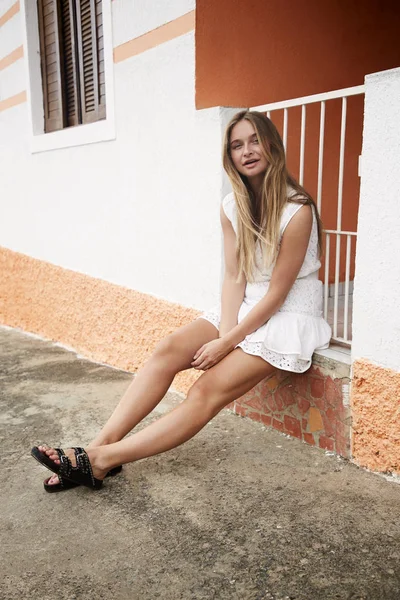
(100, 131)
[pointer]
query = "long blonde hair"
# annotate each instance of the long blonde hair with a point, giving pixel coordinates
(259, 218)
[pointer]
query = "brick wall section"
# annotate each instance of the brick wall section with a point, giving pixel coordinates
(312, 406)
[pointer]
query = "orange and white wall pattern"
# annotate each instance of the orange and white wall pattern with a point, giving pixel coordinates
(110, 235)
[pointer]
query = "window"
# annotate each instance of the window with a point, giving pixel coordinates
(72, 62)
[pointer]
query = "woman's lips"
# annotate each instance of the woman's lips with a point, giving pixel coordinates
(250, 165)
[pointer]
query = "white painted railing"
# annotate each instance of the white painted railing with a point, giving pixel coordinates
(333, 306)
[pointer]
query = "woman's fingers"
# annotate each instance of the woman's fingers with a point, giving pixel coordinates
(198, 353)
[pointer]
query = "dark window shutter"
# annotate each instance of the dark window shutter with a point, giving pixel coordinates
(89, 23)
(100, 58)
(71, 79)
(51, 64)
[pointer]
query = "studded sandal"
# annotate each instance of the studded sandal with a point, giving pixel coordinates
(66, 484)
(82, 474)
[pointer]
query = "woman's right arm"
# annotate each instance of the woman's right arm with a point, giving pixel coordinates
(232, 289)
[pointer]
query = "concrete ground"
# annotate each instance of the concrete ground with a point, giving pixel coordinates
(239, 512)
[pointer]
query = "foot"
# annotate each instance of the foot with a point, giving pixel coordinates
(98, 472)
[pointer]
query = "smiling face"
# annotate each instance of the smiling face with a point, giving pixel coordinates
(246, 151)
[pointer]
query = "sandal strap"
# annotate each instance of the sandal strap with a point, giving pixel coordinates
(83, 463)
(65, 464)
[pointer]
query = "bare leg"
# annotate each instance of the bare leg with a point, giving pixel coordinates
(173, 354)
(231, 378)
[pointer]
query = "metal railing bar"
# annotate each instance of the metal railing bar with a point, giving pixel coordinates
(334, 231)
(285, 128)
(326, 285)
(336, 294)
(320, 154)
(341, 164)
(344, 93)
(346, 287)
(302, 143)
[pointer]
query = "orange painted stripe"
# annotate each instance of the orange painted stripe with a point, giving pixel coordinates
(155, 37)
(13, 101)
(11, 58)
(9, 14)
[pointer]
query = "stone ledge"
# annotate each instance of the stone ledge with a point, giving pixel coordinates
(313, 406)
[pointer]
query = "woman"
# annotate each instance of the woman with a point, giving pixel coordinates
(270, 314)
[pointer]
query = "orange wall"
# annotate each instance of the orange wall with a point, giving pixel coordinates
(251, 52)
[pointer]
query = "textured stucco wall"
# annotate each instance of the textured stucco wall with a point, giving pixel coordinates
(376, 321)
(376, 417)
(102, 321)
(141, 211)
(375, 395)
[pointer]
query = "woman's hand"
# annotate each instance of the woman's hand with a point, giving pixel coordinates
(210, 354)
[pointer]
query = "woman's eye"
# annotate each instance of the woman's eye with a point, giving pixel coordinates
(255, 141)
(237, 146)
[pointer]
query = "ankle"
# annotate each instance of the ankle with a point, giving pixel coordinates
(98, 459)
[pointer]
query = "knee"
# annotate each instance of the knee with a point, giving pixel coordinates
(166, 348)
(206, 395)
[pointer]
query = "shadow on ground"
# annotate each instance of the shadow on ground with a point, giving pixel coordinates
(239, 512)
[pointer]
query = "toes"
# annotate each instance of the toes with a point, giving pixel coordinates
(53, 480)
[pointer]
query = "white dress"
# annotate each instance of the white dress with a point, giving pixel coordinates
(289, 338)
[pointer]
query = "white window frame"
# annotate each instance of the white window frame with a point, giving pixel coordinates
(100, 131)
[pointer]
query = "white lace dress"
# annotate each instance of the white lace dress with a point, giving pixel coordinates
(290, 337)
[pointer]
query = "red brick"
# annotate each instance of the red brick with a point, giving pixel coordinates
(278, 401)
(329, 426)
(343, 412)
(309, 438)
(254, 416)
(331, 414)
(326, 443)
(230, 406)
(264, 390)
(332, 394)
(287, 395)
(342, 429)
(255, 402)
(319, 403)
(277, 424)
(267, 420)
(240, 410)
(303, 405)
(317, 387)
(271, 403)
(292, 426)
(300, 383)
(314, 371)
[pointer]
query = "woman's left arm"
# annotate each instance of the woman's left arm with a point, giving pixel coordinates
(291, 256)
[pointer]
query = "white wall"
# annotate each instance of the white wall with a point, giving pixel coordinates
(141, 211)
(376, 321)
(133, 18)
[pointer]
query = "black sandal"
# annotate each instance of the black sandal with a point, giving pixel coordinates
(82, 474)
(65, 484)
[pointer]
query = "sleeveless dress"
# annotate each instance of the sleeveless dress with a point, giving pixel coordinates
(289, 338)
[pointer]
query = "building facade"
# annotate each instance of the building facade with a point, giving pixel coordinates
(111, 120)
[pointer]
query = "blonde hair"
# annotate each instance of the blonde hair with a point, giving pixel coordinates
(259, 218)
